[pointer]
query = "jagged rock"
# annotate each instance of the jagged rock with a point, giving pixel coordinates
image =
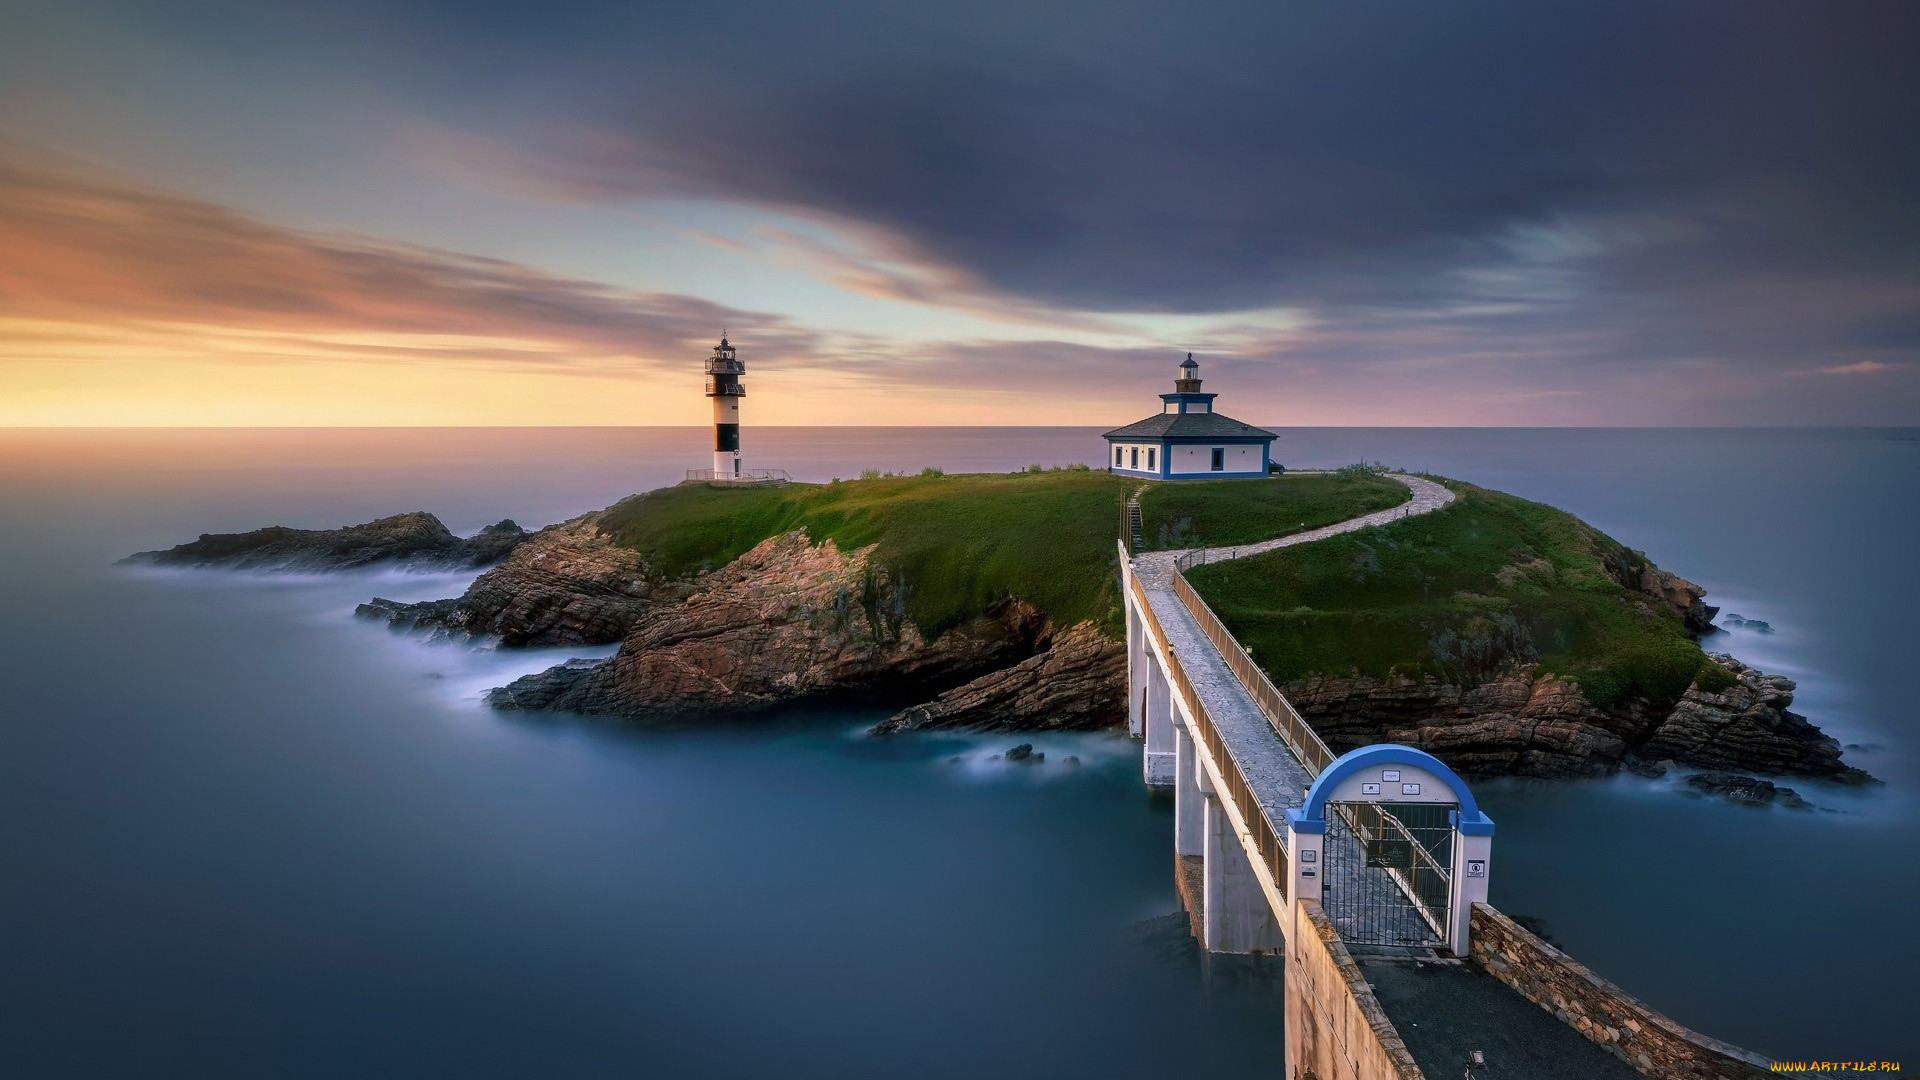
(786, 622)
(540, 690)
(568, 585)
(1515, 725)
(1077, 684)
(1746, 790)
(1748, 726)
(416, 538)
(1025, 753)
(1758, 626)
(1521, 725)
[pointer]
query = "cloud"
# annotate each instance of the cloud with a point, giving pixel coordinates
(82, 248)
(1858, 367)
(1635, 212)
(1230, 156)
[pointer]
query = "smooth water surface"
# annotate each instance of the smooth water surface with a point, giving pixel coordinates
(244, 834)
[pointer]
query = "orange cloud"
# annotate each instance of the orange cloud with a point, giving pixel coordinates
(81, 248)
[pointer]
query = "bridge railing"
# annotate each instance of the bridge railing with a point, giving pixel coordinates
(1286, 720)
(1266, 839)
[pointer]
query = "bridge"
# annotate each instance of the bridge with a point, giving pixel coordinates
(1365, 873)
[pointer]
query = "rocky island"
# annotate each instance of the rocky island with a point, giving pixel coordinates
(416, 539)
(1504, 636)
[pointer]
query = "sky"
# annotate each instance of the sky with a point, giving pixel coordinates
(1352, 213)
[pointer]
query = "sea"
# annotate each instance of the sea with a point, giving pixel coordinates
(244, 834)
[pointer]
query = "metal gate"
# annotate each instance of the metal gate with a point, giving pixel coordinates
(1389, 875)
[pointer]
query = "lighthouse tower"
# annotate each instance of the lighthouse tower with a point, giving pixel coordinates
(723, 386)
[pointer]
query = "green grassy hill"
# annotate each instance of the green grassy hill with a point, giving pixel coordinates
(963, 542)
(1489, 582)
(1212, 513)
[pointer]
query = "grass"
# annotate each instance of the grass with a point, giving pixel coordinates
(1210, 513)
(1489, 583)
(961, 543)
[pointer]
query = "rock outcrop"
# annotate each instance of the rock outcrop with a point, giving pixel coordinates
(417, 539)
(568, 585)
(1745, 790)
(1522, 725)
(1077, 683)
(785, 623)
(1633, 570)
(1747, 727)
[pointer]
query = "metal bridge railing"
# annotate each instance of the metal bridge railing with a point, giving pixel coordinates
(1286, 720)
(1266, 839)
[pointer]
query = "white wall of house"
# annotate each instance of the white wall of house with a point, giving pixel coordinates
(1126, 458)
(1192, 458)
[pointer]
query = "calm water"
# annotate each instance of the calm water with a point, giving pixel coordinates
(242, 834)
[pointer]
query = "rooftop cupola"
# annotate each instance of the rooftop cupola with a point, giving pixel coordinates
(1186, 396)
(1188, 381)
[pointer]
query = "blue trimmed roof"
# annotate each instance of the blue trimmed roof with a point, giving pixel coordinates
(1311, 815)
(1206, 425)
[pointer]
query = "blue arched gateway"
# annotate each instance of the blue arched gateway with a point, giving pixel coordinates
(1394, 846)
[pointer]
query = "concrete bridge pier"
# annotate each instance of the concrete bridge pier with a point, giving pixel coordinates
(1137, 664)
(1190, 788)
(1158, 761)
(1235, 909)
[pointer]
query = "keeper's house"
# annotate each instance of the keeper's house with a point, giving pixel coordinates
(1187, 440)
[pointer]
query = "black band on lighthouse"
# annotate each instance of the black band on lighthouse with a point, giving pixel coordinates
(726, 436)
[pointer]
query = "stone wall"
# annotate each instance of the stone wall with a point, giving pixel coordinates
(1336, 1029)
(1601, 1011)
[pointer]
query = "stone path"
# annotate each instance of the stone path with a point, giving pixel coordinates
(1427, 497)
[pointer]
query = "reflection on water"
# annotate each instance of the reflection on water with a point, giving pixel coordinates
(246, 834)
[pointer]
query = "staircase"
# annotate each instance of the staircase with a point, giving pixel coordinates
(1135, 541)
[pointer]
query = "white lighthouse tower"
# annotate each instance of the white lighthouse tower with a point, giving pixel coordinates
(723, 386)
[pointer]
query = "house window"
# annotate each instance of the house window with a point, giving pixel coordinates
(1149, 459)
(1134, 458)
(1119, 456)
(1219, 458)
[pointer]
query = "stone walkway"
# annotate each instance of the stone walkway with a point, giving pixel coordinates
(1444, 1009)
(1427, 497)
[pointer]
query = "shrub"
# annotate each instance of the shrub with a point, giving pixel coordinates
(1714, 678)
(932, 471)
(869, 474)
